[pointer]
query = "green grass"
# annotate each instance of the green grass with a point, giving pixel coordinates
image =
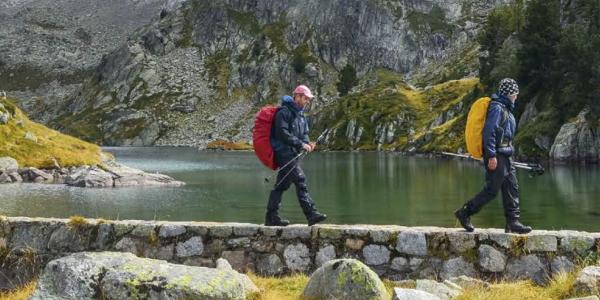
(51, 144)
(389, 99)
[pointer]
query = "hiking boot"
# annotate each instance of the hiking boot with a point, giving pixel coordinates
(516, 227)
(315, 217)
(465, 220)
(275, 221)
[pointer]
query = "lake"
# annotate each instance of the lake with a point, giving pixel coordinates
(351, 188)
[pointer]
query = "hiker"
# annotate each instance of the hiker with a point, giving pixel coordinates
(289, 137)
(498, 133)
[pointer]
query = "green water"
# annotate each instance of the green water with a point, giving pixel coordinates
(351, 188)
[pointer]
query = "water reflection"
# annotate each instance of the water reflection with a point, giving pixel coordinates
(375, 188)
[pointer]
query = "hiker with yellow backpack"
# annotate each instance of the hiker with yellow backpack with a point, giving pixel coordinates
(490, 130)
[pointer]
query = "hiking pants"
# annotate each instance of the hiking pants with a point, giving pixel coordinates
(502, 179)
(296, 176)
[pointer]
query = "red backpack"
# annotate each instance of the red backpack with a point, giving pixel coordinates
(261, 136)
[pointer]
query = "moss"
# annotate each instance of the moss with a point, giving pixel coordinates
(471, 255)
(153, 239)
(229, 146)
(438, 246)
(517, 246)
(219, 70)
(68, 151)
(301, 56)
(246, 20)
(275, 32)
(77, 222)
(432, 22)
(187, 30)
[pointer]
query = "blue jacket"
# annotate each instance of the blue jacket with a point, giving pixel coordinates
(290, 131)
(500, 127)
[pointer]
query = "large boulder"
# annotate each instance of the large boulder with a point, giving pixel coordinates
(345, 279)
(588, 281)
(90, 177)
(577, 140)
(8, 163)
(110, 275)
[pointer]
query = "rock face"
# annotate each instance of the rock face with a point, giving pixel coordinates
(577, 141)
(345, 279)
(111, 275)
(196, 72)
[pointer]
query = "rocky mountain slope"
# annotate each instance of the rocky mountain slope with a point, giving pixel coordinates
(191, 72)
(200, 72)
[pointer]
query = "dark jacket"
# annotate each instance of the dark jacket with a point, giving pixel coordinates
(289, 132)
(500, 127)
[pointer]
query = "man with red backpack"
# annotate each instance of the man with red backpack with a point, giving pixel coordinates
(498, 134)
(289, 136)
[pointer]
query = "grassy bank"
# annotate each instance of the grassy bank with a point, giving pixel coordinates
(291, 287)
(35, 145)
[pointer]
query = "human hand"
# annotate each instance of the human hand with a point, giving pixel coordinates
(492, 164)
(313, 145)
(307, 147)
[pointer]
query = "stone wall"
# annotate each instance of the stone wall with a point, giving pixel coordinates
(395, 252)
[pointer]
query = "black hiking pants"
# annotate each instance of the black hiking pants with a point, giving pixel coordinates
(502, 179)
(292, 174)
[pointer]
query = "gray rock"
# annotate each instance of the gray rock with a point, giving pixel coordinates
(376, 255)
(8, 164)
(579, 244)
(588, 281)
(576, 141)
(31, 136)
(35, 175)
(527, 267)
(221, 231)
(466, 282)
(400, 264)
(380, 236)
(171, 230)
(193, 246)
(585, 298)
(327, 232)
(237, 259)
(297, 257)
(127, 245)
(490, 259)
(561, 264)
(239, 242)
(502, 239)
(245, 230)
(67, 239)
(161, 252)
(4, 178)
(345, 279)
(542, 243)
(324, 255)
(461, 241)
(269, 265)
(126, 176)
(456, 267)
(92, 177)
(223, 264)
(412, 243)
(295, 232)
(118, 276)
(441, 290)
(410, 294)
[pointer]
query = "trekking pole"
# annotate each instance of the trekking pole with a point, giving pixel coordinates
(297, 158)
(534, 169)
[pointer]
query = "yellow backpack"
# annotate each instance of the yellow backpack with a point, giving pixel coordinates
(475, 124)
